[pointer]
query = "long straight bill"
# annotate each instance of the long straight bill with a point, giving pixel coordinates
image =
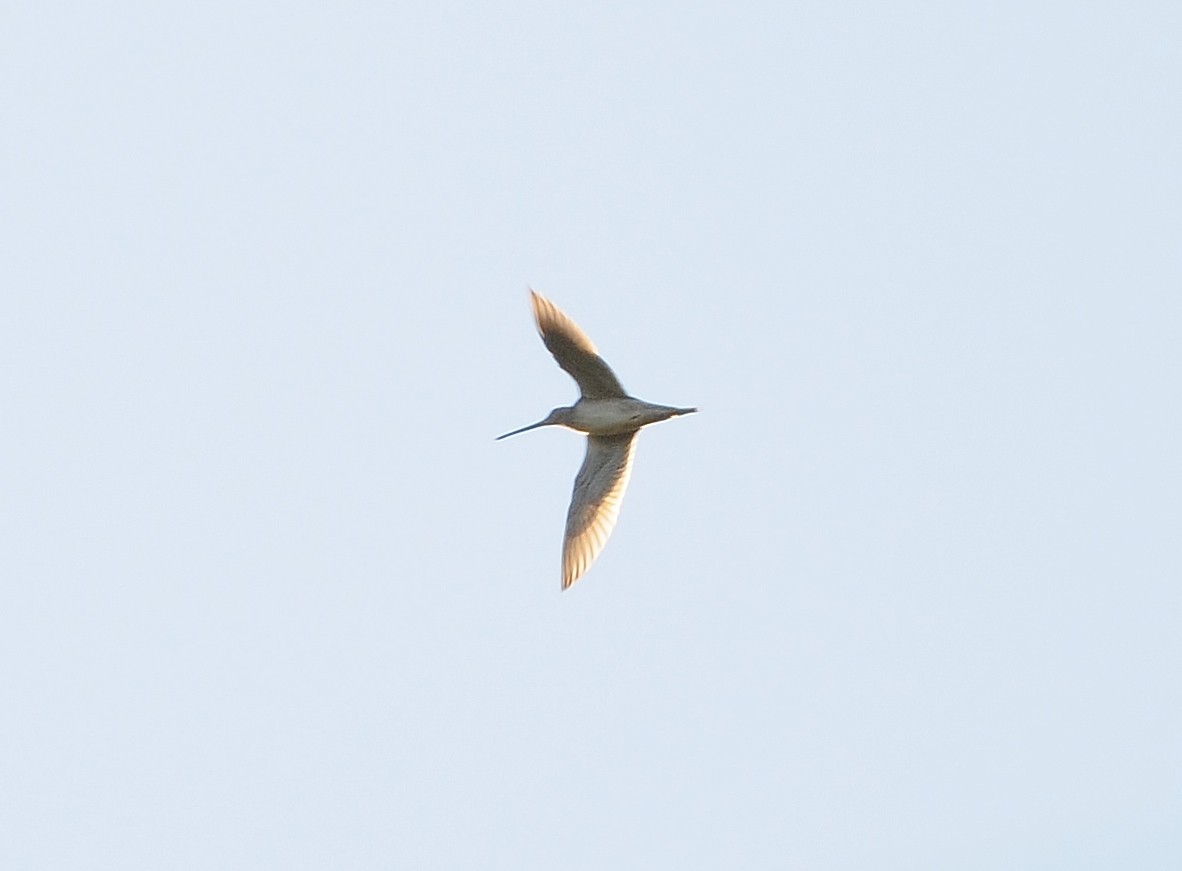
(523, 429)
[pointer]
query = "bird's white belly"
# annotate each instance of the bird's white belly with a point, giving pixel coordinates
(615, 416)
(607, 416)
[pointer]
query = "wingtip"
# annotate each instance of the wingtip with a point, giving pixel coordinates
(541, 309)
(570, 574)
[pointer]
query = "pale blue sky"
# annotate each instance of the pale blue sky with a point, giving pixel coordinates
(904, 595)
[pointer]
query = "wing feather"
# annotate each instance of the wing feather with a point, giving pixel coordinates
(574, 351)
(595, 502)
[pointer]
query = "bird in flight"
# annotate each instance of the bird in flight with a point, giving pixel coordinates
(610, 418)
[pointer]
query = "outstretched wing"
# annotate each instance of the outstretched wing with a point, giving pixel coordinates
(595, 503)
(574, 352)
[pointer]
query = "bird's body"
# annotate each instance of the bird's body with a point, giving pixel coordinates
(610, 418)
(622, 414)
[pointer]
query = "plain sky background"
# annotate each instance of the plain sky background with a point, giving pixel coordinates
(906, 594)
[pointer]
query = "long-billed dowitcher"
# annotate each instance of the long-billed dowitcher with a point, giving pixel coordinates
(611, 418)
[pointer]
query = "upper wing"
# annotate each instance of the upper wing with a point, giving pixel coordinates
(574, 351)
(595, 503)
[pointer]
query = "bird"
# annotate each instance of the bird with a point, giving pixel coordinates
(610, 418)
